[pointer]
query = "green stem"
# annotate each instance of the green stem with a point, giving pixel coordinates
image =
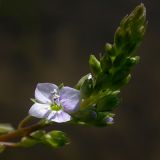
(23, 131)
(92, 100)
(9, 144)
(24, 122)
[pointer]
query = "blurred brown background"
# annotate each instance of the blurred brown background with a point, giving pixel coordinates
(50, 41)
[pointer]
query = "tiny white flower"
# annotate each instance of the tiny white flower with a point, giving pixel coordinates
(55, 104)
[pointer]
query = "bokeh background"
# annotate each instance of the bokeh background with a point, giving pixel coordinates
(50, 41)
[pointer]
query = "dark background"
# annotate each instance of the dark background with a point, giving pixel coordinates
(50, 41)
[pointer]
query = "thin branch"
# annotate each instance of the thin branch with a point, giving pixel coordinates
(23, 131)
(9, 144)
(24, 122)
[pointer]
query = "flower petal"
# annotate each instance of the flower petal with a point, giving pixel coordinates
(70, 99)
(44, 91)
(40, 110)
(59, 116)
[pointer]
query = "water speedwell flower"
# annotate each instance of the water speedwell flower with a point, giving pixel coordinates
(55, 104)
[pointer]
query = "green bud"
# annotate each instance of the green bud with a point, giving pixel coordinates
(109, 49)
(55, 139)
(119, 60)
(81, 81)
(108, 103)
(87, 87)
(120, 74)
(122, 82)
(94, 65)
(101, 119)
(131, 61)
(4, 128)
(33, 139)
(106, 63)
(131, 31)
(125, 63)
(85, 116)
(28, 142)
(103, 81)
(38, 134)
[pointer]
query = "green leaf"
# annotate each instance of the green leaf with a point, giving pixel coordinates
(5, 128)
(55, 139)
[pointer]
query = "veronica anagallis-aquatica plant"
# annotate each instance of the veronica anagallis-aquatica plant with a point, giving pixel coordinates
(92, 100)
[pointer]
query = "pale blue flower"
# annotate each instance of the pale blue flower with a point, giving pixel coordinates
(110, 120)
(55, 104)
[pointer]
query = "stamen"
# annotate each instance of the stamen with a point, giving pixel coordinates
(55, 95)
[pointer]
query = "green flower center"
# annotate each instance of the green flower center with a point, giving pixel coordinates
(56, 107)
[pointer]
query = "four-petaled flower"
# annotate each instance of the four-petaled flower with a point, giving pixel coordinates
(55, 104)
